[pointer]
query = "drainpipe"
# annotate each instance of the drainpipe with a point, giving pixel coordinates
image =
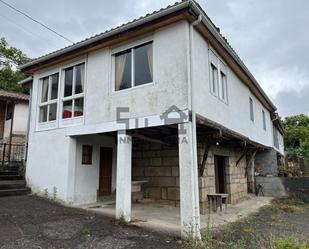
(192, 107)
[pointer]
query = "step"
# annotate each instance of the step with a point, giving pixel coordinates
(14, 192)
(6, 173)
(13, 184)
(11, 177)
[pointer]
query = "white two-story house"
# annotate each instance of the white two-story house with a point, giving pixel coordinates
(163, 99)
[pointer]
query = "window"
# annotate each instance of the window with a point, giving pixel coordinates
(87, 154)
(264, 120)
(218, 77)
(49, 98)
(251, 110)
(73, 95)
(214, 79)
(9, 111)
(223, 94)
(276, 137)
(134, 67)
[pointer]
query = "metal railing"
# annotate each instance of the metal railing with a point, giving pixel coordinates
(12, 156)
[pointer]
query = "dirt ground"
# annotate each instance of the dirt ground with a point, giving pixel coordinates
(282, 225)
(28, 222)
(32, 222)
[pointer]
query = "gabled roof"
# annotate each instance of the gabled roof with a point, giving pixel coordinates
(189, 6)
(13, 96)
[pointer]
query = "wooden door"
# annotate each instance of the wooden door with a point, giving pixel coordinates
(220, 174)
(106, 167)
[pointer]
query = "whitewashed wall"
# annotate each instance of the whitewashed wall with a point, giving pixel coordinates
(20, 121)
(87, 176)
(236, 114)
(52, 155)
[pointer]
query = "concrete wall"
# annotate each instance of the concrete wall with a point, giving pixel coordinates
(234, 115)
(266, 162)
(20, 122)
(87, 176)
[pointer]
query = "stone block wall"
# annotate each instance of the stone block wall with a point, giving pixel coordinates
(235, 177)
(159, 165)
(266, 162)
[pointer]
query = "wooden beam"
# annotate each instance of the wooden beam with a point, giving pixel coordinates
(205, 156)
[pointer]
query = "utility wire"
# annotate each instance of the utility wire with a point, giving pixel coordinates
(34, 20)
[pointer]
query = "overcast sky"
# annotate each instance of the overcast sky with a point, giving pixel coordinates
(271, 36)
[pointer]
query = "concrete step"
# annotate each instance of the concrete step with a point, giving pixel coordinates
(15, 184)
(11, 177)
(14, 192)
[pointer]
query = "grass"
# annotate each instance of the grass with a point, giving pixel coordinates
(273, 227)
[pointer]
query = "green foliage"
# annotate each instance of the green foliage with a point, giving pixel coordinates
(122, 221)
(297, 136)
(10, 59)
(86, 231)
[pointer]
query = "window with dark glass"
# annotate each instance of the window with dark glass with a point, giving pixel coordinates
(251, 110)
(264, 119)
(49, 98)
(73, 99)
(134, 67)
(87, 154)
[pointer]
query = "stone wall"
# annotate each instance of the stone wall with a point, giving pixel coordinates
(235, 176)
(266, 162)
(159, 165)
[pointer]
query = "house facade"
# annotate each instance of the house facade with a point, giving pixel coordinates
(163, 101)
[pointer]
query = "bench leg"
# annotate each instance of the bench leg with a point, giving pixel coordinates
(220, 203)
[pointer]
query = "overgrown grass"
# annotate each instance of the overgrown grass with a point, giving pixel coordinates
(268, 229)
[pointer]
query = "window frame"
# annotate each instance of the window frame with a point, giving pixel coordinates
(48, 124)
(264, 120)
(130, 46)
(90, 162)
(65, 122)
(251, 109)
(221, 67)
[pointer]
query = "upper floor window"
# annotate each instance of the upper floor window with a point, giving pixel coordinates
(48, 99)
(214, 79)
(251, 110)
(264, 120)
(73, 94)
(134, 67)
(218, 77)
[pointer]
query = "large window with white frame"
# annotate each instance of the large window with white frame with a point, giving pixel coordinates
(133, 67)
(73, 91)
(49, 98)
(218, 77)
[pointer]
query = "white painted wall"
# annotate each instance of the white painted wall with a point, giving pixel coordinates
(87, 176)
(236, 114)
(20, 121)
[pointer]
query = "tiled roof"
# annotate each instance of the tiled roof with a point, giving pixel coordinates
(14, 96)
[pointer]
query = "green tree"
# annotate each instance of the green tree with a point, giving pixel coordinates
(297, 136)
(10, 59)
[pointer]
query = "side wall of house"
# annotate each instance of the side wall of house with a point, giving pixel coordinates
(235, 114)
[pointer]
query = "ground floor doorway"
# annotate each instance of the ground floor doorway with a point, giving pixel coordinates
(106, 171)
(220, 169)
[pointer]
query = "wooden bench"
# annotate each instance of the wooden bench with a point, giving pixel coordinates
(217, 199)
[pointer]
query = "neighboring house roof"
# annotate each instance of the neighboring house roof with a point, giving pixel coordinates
(13, 96)
(190, 6)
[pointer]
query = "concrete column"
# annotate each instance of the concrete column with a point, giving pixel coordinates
(71, 169)
(188, 178)
(123, 179)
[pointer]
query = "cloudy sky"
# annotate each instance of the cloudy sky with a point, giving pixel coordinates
(271, 36)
